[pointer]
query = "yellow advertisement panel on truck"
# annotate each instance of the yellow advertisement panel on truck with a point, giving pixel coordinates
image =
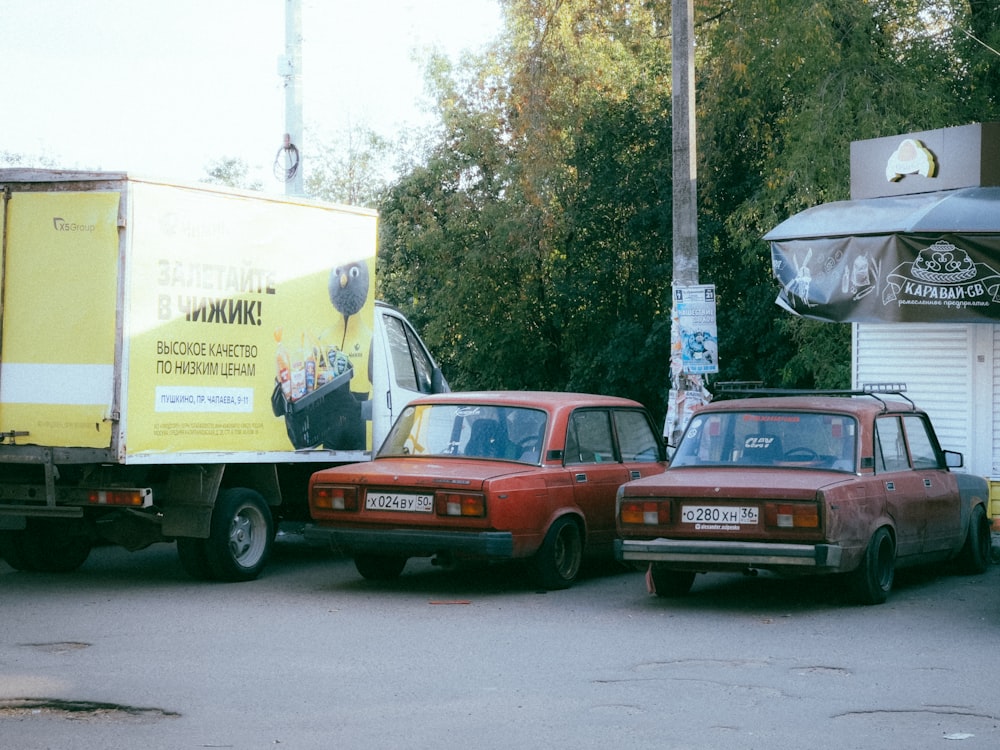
(228, 297)
(176, 361)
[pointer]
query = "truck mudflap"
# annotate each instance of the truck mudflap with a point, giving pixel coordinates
(736, 554)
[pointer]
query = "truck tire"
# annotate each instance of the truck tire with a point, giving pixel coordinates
(46, 546)
(12, 550)
(239, 543)
(193, 558)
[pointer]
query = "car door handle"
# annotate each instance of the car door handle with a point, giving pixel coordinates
(581, 477)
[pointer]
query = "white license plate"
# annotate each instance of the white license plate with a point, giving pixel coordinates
(403, 501)
(711, 516)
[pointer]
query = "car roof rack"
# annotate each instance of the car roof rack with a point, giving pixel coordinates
(755, 389)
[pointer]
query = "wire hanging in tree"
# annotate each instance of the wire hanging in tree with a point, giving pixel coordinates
(286, 161)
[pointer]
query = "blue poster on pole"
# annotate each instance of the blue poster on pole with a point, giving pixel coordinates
(699, 334)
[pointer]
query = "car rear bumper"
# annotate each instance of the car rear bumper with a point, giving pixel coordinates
(488, 545)
(716, 555)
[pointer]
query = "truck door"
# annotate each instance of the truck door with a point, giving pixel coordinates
(59, 327)
(409, 368)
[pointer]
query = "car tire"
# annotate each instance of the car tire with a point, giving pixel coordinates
(379, 567)
(557, 562)
(670, 583)
(975, 555)
(873, 579)
(239, 543)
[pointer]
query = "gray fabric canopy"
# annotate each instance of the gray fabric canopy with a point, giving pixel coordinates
(968, 211)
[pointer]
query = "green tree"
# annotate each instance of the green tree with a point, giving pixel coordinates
(232, 172)
(353, 167)
(532, 244)
(785, 86)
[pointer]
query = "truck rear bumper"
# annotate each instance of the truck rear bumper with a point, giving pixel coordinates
(486, 545)
(716, 555)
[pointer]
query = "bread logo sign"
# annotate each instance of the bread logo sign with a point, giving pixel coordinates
(943, 275)
(911, 157)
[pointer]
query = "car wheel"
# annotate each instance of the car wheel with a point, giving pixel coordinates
(240, 539)
(193, 558)
(873, 578)
(975, 555)
(669, 583)
(558, 560)
(379, 567)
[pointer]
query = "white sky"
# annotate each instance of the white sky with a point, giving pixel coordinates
(164, 87)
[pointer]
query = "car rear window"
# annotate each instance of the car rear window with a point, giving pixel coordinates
(787, 439)
(510, 433)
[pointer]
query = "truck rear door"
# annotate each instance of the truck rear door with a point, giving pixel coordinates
(59, 317)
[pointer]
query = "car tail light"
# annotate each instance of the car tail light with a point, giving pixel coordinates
(645, 513)
(791, 515)
(334, 497)
(461, 504)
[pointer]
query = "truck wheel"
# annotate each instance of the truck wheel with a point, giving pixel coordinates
(12, 550)
(240, 539)
(873, 578)
(557, 561)
(379, 567)
(46, 546)
(193, 558)
(669, 583)
(975, 555)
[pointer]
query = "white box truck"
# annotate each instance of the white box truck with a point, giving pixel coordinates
(177, 360)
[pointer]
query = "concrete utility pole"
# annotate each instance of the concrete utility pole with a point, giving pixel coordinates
(685, 389)
(288, 162)
(685, 169)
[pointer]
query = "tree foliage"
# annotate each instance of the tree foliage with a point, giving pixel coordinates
(232, 172)
(351, 168)
(532, 246)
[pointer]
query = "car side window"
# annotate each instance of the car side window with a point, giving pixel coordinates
(890, 447)
(636, 439)
(588, 438)
(922, 447)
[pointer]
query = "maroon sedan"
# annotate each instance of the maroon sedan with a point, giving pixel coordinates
(489, 476)
(854, 483)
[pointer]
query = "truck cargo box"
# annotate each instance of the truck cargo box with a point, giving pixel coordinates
(187, 329)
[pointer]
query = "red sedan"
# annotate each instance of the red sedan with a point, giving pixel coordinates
(489, 476)
(854, 483)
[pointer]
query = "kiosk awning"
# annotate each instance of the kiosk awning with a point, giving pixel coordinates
(929, 257)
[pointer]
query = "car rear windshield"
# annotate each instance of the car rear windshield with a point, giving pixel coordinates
(511, 433)
(786, 439)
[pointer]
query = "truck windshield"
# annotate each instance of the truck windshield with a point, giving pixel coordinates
(508, 433)
(786, 439)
